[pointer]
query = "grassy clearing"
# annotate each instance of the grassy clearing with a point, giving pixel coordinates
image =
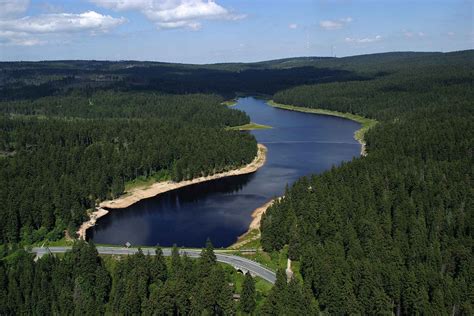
(249, 127)
(230, 102)
(63, 242)
(144, 182)
(366, 123)
(273, 261)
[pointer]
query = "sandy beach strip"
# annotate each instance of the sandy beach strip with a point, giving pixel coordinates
(157, 188)
(254, 225)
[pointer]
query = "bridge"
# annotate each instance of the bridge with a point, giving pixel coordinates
(239, 263)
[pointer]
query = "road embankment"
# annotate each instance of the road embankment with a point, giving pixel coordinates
(138, 194)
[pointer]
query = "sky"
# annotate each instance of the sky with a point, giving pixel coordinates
(211, 31)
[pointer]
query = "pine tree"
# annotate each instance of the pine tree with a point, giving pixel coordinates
(153, 305)
(207, 254)
(175, 262)
(275, 302)
(247, 299)
(101, 288)
(158, 270)
(207, 260)
(294, 248)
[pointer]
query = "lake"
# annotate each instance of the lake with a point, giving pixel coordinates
(299, 144)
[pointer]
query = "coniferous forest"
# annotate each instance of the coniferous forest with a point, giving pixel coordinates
(83, 283)
(389, 233)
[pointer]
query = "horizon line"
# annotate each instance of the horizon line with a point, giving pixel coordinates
(231, 62)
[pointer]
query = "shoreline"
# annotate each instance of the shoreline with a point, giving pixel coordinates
(366, 123)
(253, 226)
(249, 127)
(138, 194)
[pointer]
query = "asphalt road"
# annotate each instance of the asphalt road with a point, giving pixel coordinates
(240, 263)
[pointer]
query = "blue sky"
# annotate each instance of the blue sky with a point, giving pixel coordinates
(204, 31)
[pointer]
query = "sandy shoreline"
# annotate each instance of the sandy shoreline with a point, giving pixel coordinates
(363, 153)
(139, 194)
(254, 224)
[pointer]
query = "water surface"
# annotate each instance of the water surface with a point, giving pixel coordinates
(298, 144)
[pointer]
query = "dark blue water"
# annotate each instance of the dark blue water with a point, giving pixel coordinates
(298, 144)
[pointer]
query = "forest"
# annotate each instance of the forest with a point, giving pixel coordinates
(26, 80)
(391, 232)
(62, 155)
(83, 283)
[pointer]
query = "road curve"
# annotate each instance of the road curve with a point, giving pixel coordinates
(237, 262)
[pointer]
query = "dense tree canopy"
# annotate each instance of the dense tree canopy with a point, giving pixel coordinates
(199, 109)
(82, 283)
(391, 232)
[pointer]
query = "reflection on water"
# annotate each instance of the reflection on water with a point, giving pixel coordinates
(298, 144)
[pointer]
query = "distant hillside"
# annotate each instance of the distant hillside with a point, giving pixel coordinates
(37, 79)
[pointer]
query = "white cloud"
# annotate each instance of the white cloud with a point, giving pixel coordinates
(173, 13)
(62, 22)
(174, 25)
(364, 40)
(410, 34)
(25, 42)
(123, 5)
(9, 8)
(293, 26)
(25, 31)
(331, 25)
(451, 33)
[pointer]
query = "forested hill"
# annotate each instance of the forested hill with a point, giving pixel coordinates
(391, 232)
(46, 78)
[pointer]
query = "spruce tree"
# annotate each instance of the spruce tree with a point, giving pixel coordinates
(247, 299)
(175, 262)
(158, 270)
(207, 260)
